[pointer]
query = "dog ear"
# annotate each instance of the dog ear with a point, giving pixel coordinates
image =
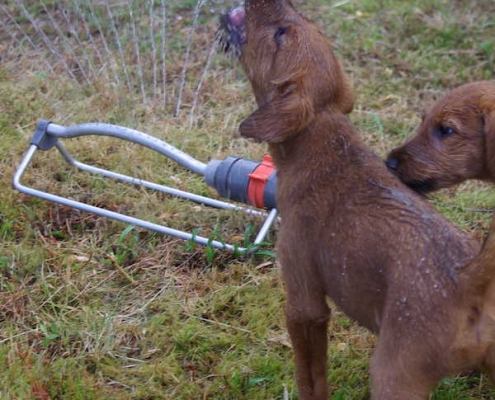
(488, 117)
(489, 129)
(346, 100)
(289, 112)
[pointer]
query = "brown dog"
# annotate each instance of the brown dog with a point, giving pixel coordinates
(350, 229)
(455, 141)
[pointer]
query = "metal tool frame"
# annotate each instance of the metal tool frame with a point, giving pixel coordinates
(47, 136)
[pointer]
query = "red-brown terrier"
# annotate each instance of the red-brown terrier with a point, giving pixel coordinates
(455, 141)
(350, 230)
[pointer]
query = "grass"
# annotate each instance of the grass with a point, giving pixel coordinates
(94, 309)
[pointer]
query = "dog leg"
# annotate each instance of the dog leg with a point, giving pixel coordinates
(400, 368)
(489, 362)
(307, 315)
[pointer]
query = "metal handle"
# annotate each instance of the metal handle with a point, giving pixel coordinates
(46, 132)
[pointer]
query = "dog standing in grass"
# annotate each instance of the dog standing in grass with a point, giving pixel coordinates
(350, 229)
(456, 142)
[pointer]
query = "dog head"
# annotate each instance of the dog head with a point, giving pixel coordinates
(455, 141)
(290, 64)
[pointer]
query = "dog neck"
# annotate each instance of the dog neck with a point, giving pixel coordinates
(329, 139)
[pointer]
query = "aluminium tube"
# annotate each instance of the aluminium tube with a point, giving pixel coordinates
(153, 143)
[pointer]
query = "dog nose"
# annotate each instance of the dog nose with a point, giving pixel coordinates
(237, 16)
(392, 163)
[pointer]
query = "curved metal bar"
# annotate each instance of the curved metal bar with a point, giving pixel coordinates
(110, 214)
(154, 186)
(131, 135)
(270, 219)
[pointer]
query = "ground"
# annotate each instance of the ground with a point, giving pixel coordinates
(94, 309)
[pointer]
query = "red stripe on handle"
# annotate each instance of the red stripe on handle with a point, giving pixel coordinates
(257, 182)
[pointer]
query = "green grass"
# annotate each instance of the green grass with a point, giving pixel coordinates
(93, 309)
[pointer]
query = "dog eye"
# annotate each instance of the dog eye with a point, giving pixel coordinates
(279, 33)
(445, 131)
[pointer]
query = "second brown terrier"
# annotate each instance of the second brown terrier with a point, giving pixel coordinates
(350, 229)
(455, 141)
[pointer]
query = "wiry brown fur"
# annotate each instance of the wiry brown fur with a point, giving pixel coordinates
(436, 157)
(350, 229)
